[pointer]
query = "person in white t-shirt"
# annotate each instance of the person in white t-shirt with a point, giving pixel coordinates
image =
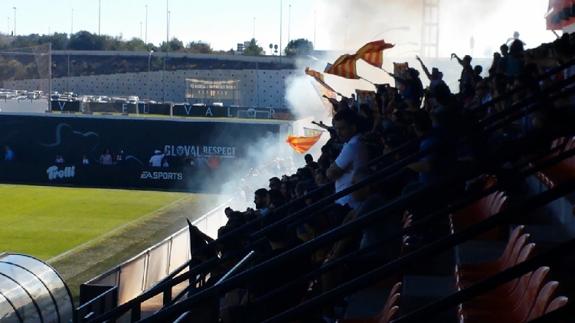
(353, 155)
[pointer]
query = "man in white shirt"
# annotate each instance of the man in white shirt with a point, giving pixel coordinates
(353, 155)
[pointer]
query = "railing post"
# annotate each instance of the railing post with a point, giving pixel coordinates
(167, 295)
(136, 312)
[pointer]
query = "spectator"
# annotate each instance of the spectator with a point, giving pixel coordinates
(514, 63)
(120, 157)
(435, 77)
(275, 183)
(467, 78)
(478, 69)
(352, 156)
(437, 159)
(495, 65)
(275, 199)
(261, 200)
(85, 160)
(369, 199)
(312, 165)
(59, 160)
(106, 158)
(9, 154)
(231, 246)
(285, 189)
(412, 88)
(279, 241)
(157, 160)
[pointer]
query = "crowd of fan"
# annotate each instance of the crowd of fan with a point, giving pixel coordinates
(363, 132)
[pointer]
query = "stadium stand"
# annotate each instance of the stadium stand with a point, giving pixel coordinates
(441, 225)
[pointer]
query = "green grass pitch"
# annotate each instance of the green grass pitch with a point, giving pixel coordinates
(46, 221)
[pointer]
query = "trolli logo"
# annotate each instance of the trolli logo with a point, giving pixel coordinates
(54, 173)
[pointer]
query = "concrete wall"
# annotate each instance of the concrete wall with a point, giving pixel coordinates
(257, 88)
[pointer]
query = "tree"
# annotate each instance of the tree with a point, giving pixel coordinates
(299, 47)
(253, 49)
(199, 47)
(135, 44)
(173, 45)
(59, 41)
(84, 40)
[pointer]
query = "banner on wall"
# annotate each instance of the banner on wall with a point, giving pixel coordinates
(122, 152)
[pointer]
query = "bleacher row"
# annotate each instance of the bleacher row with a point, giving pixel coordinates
(480, 203)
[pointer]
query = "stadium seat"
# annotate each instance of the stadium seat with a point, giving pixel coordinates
(557, 303)
(517, 311)
(479, 211)
(468, 275)
(562, 171)
(543, 300)
(504, 294)
(389, 309)
(499, 263)
(406, 223)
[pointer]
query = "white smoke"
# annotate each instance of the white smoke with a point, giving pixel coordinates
(345, 25)
(267, 157)
(470, 27)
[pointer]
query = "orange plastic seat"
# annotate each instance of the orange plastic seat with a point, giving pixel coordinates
(562, 171)
(478, 211)
(389, 309)
(543, 300)
(511, 290)
(518, 311)
(467, 275)
(556, 304)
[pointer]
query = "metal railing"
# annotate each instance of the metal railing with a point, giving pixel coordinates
(143, 271)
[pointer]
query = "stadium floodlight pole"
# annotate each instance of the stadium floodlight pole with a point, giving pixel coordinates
(167, 49)
(281, 26)
(14, 30)
(289, 22)
(167, 22)
(72, 22)
(99, 15)
(50, 77)
(149, 73)
(146, 28)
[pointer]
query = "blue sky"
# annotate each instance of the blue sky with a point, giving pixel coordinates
(223, 23)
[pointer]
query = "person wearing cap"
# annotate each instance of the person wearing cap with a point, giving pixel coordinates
(435, 77)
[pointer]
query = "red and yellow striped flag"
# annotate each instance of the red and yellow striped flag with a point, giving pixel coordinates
(319, 78)
(344, 66)
(315, 74)
(372, 52)
(302, 144)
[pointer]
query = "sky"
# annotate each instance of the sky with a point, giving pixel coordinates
(222, 23)
(341, 24)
